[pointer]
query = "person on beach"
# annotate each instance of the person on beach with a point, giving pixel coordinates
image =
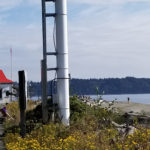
(128, 100)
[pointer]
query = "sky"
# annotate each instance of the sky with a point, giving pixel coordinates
(107, 38)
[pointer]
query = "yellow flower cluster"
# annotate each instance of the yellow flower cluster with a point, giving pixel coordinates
(139, 140)
(45, 139)
(90, 135)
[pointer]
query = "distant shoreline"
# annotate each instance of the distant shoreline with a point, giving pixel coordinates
(108, 86)
(119, 106)
(135, 98)
(119, 94)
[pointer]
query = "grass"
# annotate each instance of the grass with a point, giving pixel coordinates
(90, 129)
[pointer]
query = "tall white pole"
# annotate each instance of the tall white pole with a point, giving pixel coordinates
(62, 61)
(11, 71)
(11, 63)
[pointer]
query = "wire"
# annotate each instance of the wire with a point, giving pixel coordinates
(54, 34)
(54, 41)
(55, 75)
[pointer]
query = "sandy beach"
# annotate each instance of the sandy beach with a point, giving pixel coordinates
(129, 107)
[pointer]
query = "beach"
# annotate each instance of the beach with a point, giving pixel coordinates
(119, 106)
(125, 107)
(133, 107)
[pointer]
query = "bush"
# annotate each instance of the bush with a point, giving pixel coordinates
(77, 109)
(90, 129)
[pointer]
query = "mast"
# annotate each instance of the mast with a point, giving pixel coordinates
(61, 55)
(62, 60)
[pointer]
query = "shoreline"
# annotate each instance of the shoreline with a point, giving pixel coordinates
(132, 107)
(135, 98)
(118, 106)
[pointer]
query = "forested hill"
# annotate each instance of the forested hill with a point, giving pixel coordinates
(128, 85)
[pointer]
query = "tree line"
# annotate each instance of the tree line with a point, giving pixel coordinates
(128, 85)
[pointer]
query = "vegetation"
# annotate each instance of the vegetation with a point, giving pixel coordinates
(128, 85)
(90, 129)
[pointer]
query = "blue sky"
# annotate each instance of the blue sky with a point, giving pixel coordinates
(107, 38)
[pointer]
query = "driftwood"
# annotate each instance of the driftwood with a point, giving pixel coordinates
(128, 128)
(124, 129)
(143, 120)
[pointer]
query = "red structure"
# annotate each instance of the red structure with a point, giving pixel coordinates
(3, 78)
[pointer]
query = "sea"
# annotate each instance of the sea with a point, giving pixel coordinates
(137, 98)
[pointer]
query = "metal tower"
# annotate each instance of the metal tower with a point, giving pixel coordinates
(61, 54)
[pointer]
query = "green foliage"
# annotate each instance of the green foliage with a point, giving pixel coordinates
(80, 109)
(90, 129)
(13, 110)
(110, 86)
(77, 108)
(58, 137)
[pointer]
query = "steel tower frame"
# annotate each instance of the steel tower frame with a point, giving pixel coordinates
(62, 60)
(44, 68)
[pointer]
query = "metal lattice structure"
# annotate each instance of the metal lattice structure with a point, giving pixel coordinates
(61, 54)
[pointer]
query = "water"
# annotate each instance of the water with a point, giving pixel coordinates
(138, 98)
(35, 98)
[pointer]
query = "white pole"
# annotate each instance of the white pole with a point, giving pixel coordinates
(62, 61)
(11, 72)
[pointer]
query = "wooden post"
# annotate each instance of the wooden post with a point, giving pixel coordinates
(44, 65)
(44, 93)
(22, 101)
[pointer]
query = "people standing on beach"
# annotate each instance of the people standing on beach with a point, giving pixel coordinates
(128, 100)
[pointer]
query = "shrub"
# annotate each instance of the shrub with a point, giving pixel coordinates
(89, 130)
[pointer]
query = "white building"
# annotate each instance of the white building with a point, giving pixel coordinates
(5, 88)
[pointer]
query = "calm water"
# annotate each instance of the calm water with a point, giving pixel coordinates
(138, 98)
